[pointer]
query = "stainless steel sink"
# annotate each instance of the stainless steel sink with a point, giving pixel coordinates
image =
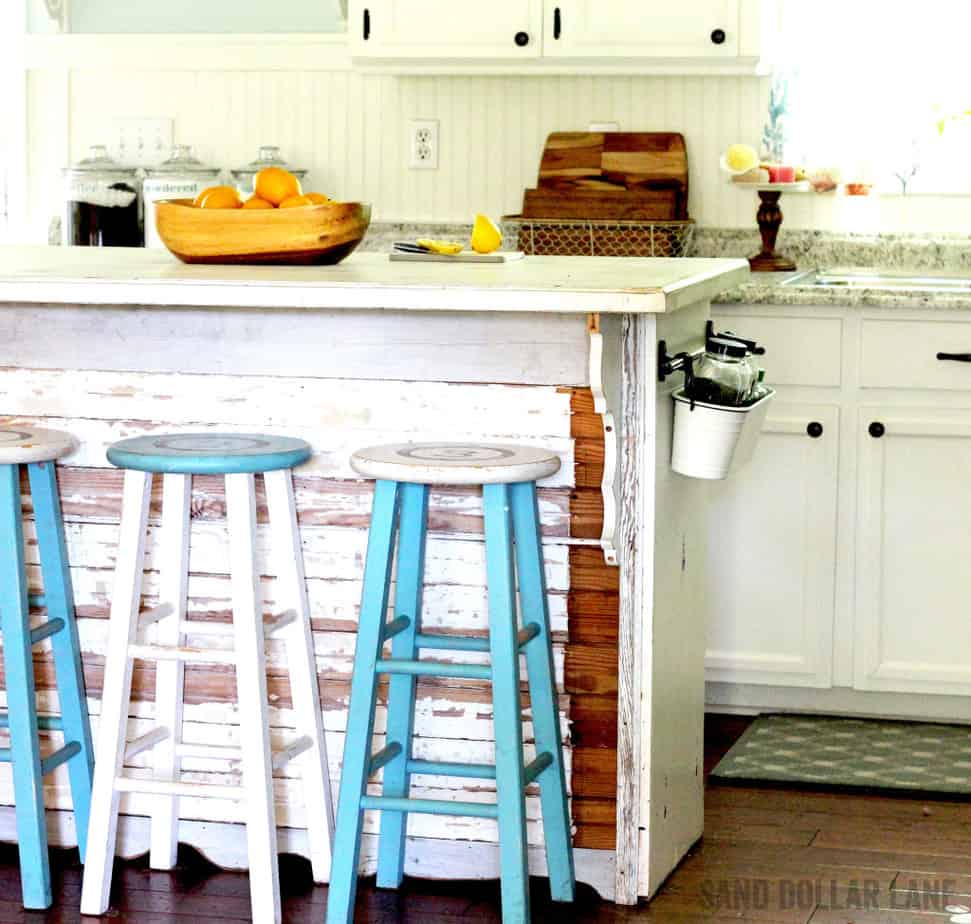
(882, 279)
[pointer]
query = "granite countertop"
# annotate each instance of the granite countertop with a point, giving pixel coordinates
(775, 289)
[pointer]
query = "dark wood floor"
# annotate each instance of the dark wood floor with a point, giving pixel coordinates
(769, 855)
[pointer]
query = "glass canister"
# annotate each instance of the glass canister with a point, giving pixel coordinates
(181, 176)
(269, 156)
(723, 374)
(102, 199)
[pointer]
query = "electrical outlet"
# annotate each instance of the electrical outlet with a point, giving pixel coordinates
(423, 144)
(141, 142)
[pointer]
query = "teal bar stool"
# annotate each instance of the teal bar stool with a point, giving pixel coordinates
(168, 637)
(38, 449)
(508, 477)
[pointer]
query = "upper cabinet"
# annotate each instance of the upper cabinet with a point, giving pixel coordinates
(621, 29)
(500, 30)
(691, 36)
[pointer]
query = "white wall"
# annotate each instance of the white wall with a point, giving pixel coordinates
(349, 128)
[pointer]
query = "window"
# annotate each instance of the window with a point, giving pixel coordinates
(880, 90)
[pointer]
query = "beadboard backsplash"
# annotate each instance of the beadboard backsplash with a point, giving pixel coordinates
(350, 130)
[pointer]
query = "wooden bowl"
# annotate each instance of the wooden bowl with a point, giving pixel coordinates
(311, 235)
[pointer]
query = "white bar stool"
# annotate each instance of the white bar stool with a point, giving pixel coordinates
(238, 457)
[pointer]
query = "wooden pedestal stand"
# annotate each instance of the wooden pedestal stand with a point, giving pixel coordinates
(769, 218)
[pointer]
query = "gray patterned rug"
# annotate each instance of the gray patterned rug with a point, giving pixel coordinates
(856, 753)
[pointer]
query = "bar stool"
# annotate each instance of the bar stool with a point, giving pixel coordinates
(238, 457)
(37, 449)
(508, 475)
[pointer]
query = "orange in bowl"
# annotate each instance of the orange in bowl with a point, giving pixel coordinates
(219, 197)
(255, 202)
(296, 202)
(274, 184)
(317, 198)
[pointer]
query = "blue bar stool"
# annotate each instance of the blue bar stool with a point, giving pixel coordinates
(166, 636)
(508, 477)
(37, 449)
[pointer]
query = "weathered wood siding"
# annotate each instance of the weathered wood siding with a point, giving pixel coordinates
(453, 720)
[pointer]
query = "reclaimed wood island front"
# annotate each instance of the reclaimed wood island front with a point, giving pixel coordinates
(558, 352)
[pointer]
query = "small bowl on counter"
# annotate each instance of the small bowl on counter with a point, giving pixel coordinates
(312, 235)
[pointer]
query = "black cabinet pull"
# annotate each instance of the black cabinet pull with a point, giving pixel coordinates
(877, 429)
(367, 24)
(557, 23)
(815, 429)
(522, 39)
(718, 36)
(955, 357)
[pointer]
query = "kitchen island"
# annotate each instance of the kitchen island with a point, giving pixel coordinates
(556, 351)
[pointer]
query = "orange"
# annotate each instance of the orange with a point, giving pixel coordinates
(221, 197)
(318, 198)
(296, 202)
(255, 202)
(197, 202)
(276, 184)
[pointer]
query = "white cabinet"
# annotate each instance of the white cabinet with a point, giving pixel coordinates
(913, 605)
(771, 555)
(460, 29)
(619, 28)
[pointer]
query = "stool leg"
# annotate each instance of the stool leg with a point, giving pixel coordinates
(170, 675)
(18, 663)
(506, 708)
(360, 719)
(59, 599)
(116, 692)
(252, 696)
(401, 687)
(302, 665)
(542, 691)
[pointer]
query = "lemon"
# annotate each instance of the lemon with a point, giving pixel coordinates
(486, 237)
(741, 157)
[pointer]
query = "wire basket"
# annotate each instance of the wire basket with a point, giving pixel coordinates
(571, 237)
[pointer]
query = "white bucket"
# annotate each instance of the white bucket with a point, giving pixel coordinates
(711, 440)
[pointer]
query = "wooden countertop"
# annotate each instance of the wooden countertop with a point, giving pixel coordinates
(130, 277)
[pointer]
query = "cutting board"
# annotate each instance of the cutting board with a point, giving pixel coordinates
(611, 175)
(502, 256)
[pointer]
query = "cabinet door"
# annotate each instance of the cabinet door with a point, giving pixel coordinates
(501, 29)
(772, 553)
(621, 29)
(913, 594)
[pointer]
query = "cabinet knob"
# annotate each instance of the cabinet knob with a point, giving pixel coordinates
(877, 429)
(522, 39)
(367, 24)
(718, 36)
(815, 429)
(557, 23)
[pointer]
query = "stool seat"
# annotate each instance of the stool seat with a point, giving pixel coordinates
(209, 453)
(24, 445)
(455, 463)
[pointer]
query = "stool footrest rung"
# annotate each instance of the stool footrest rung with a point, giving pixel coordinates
(44, 722)
(46, 630)
(434, 669)
(179, 788)
(60, 756)
(536, 766)
(395, 627)
(443, 768)
(145, 742)
(149, 652)
(384, 756)
(431, 806)
(38, 600)
(467, 642)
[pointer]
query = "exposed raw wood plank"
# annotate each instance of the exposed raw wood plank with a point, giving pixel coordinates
(592, 669)
(593, 720)
(420, 346)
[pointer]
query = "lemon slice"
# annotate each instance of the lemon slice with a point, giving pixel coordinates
(449, 248)
(486, 237)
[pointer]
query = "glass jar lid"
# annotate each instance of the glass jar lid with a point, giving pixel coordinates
(722, 346)
(181, 162)
(269, 156)
(99, 164)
